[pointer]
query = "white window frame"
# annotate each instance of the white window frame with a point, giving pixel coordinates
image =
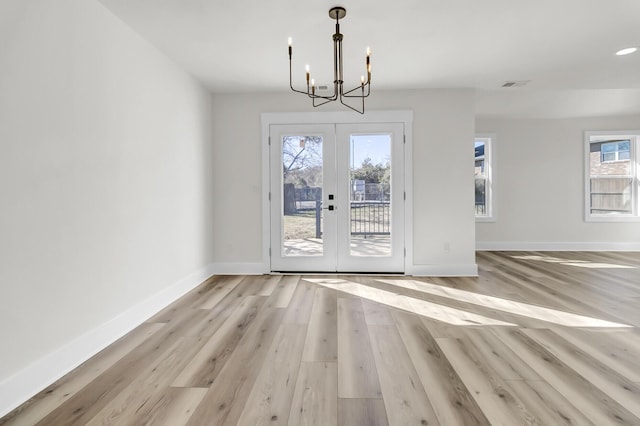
(490, 176)
(634, 154)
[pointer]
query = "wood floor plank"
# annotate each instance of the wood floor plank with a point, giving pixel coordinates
(286, 287)
(361, 412)
(404, 397)
(376, 313)
(451, 400)
(558, 266)
(209, 321)
(618, 387)
(83, 406)
(315, 400)
(506, 363)
(517, 268)
(58, 393)
(205, 366)
(268, 284)
(357, 374)
(136, 402)
(202, 322)
(227, 395)
(573, 295)
(522, 343)
(269, 402)
(183, 304)
(496, 399)
(213, 297)
(321, 343)
(502, 304)
(175, 408)
(592, 402)
(618, 349)
(548, 405)
(421, 307)
(189, 321)
(299, 308)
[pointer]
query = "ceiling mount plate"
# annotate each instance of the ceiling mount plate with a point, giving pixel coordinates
(337, 12)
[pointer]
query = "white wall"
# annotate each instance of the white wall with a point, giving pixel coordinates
(442, 171)
(540, 186)
(105, 175)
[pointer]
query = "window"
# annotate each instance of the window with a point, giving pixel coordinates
(484, 179)
(611, 176)
(615, 151)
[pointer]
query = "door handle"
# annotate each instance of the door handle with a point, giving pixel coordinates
(330, 207)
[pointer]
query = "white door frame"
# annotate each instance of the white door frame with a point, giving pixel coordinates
(403, 116)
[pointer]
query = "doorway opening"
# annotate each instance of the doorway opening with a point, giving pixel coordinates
(337, 197)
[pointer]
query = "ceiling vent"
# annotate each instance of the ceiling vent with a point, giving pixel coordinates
(515, 83)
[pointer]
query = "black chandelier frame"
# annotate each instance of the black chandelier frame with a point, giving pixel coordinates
(336, 13)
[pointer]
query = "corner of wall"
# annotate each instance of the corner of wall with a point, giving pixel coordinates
(26, 383)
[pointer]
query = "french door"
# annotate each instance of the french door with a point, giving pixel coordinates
(337, 197)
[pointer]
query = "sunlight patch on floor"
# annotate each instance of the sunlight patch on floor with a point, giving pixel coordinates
(518, 308)
(578, 263)
(417, 306)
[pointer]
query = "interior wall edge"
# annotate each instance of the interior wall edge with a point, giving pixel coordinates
(27, 382)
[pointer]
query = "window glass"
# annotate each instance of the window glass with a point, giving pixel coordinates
(616, 151)
(612, 185)
(483, 177)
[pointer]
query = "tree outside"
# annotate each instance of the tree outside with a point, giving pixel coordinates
(302, 160)
(302, 172)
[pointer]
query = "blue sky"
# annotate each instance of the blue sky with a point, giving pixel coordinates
(376, 147)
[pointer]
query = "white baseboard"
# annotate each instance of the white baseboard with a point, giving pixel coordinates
(555, 246)
(240, 268)
(18, 388)
(457, 270)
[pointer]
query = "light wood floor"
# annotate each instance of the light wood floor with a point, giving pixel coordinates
(537, 338)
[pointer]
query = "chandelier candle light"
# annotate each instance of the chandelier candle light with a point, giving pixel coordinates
(336, 13)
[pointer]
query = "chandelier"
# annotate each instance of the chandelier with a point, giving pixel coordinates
(359, 92)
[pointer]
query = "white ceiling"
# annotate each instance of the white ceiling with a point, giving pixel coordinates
(561, 46)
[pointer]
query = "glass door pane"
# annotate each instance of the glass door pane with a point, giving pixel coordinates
(302, 182)
(302, 195)
(370, 198)
(337, 197)
(370, 170)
